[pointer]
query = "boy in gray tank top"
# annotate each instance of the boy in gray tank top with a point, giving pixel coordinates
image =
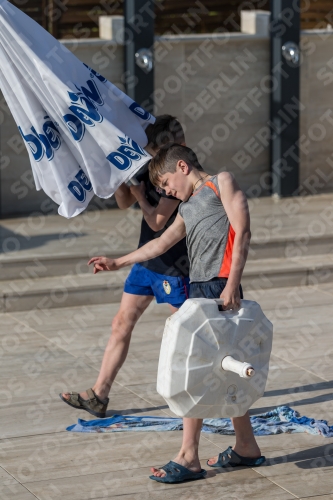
(214, 217)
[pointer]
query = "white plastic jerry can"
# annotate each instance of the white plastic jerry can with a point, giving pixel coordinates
(214, 363)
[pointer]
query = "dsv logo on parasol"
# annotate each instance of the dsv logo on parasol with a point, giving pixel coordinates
(127, 152)
(80, 186)
(84, 110)
(85, 105)
(45, 143)
(122, 159)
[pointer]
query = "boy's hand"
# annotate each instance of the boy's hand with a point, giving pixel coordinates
(104, 264)
(231, 298)
(139, 191)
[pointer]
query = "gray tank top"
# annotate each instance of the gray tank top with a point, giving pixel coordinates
(209, 235)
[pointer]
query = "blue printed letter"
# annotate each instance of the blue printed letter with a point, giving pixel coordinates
(119, 160)
(83, 180)
(76, 128)
(34, 144)
(138, 111)
(77, 190)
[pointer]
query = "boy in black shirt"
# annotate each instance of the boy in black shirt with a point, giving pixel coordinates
(164, 278)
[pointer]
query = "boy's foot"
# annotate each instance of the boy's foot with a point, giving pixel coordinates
(193, 465)
(230, 457)
(176, 473)
(83, 395)
(87, 400)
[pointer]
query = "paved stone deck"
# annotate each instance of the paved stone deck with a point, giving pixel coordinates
(47, 351)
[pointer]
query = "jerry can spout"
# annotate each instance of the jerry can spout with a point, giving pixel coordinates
(244, 370)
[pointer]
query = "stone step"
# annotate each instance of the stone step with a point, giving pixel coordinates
(72, 289)
(284, 272)
(61, 291)
(290, 246)
(42, 265)
(51, 265)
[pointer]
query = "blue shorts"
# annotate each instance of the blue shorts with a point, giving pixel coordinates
(172, 290)
(211, 289)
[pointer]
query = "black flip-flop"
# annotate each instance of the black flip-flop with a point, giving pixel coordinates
(176, 473)
(229, 458)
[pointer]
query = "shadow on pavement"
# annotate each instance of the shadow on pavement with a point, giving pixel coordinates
(131, 411)
(302, 388)
(312, 458)
(300, 402)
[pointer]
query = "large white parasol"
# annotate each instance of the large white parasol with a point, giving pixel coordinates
(84, 136)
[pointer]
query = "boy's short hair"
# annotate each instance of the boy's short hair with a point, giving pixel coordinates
(167, 158)
(166, 130)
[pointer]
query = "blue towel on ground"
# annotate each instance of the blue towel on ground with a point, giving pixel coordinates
(282, 419)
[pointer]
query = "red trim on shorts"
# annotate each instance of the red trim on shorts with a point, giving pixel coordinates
(185, 288)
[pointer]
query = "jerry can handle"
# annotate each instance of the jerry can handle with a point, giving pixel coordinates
(220, 303)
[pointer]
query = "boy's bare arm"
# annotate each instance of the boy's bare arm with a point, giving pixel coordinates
(156, 217)
(236, 207)
(124, 197)
(153, 249)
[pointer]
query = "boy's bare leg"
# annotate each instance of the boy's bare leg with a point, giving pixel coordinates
(188, 455)
(173, 309)
(246, 444)
(131, 308)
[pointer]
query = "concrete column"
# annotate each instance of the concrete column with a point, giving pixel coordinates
(112, 28)
(255, 22)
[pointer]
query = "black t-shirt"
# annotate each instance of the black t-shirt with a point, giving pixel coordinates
(175, 261)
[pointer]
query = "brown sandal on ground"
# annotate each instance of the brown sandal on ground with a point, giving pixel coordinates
(94, 405)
